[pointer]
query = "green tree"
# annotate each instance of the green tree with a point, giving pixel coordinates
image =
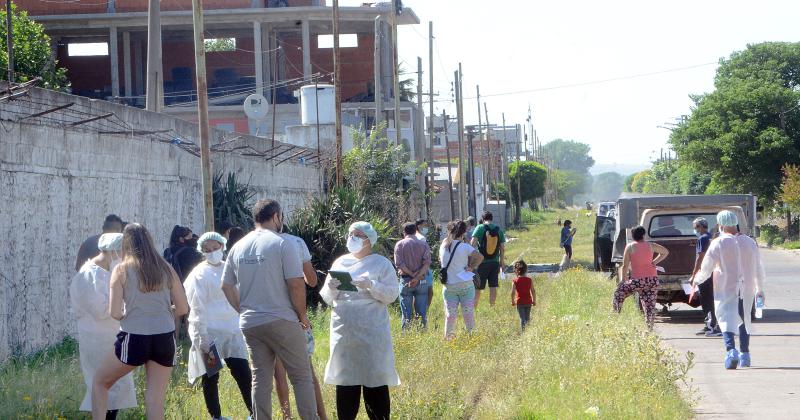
(748, 128)
(629, 182)
(607, 186)
(572, 160)
(529, 177)
(32, 55)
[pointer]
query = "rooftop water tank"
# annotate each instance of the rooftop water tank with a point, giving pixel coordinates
(309, 95)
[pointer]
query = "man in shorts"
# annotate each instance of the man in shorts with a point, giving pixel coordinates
(490, 240)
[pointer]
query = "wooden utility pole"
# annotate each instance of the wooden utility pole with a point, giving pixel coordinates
(490, 158)
(461, 130)
(471, 205)
(395, 72)
(429, 183)
(419, 135)
(518, 213)
(9, 44)
(337, 85)
(461, 175)
(378, 89)
(154, 92)
(504, 159)
(202, 113)
(481, 142)
(449, 169)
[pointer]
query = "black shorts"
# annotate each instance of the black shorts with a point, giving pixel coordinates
(488, 271)
(137, 349)
(568, 250)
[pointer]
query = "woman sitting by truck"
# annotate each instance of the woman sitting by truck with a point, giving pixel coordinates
(639, 274)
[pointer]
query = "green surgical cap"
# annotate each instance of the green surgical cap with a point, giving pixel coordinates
(110, 242)
(210, 236)
(367, 229)
(727, 218)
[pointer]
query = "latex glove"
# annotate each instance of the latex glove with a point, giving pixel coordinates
(363, 282)
(333, 283)
(763, 298)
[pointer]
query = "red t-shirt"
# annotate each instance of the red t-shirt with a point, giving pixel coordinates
(523, 286)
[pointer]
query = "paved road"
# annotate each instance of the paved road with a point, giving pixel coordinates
(771, 388)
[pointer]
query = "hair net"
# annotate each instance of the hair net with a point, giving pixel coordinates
(210, 236)
(367, 229)
(110, 242)
(727, 218)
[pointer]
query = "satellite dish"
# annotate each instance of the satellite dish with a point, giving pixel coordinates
(256, 107)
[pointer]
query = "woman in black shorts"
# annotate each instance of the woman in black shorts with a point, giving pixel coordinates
(149, 288)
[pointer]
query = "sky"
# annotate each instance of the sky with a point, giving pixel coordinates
(550, 52)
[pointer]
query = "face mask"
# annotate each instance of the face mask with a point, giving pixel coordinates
(424, 231)
(355, 244)
(214, 257)
(696, 233)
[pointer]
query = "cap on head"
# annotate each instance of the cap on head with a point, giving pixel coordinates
(366, 229)
(727, 218)
(110, 242)
(210, 236)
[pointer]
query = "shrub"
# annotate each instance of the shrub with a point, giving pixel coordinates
(770, 234)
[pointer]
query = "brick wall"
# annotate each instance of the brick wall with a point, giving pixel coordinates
(38, 7)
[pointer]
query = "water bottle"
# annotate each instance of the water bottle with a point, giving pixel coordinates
(759, 307)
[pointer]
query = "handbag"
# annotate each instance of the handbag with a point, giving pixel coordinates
(443, 270)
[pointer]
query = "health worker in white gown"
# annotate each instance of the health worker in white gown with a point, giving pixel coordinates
(97, 331)
(361, 352)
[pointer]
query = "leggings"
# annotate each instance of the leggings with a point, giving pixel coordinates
(524, 314)
(647, 288)
(454, 295)
(240, 370)
(376, 401)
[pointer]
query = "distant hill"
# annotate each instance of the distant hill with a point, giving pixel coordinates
(620, 168)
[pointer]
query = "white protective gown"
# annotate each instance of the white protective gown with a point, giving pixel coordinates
(211, 319)
(735, 262)
(361, 337)
(97, 332)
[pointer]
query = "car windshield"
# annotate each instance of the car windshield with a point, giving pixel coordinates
(678, 224)
(607, 229)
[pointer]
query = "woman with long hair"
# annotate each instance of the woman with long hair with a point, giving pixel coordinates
(150, 289)
(460, 260)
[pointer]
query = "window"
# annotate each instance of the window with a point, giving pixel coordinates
(345, 41)
(219, 44)
(85, 49)
(678, 224)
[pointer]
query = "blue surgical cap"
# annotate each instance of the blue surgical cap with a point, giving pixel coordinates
(110, 242)
(727, 218)
(367, 229)
(210, 236)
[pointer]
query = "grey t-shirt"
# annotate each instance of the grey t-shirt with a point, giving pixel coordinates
(259, 264)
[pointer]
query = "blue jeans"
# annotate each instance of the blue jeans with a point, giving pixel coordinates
(524, 314)
(744, 336)
(419, 296)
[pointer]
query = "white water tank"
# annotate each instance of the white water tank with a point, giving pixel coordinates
(309, 95)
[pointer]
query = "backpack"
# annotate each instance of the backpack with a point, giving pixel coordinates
(172, 259)
(489, 245)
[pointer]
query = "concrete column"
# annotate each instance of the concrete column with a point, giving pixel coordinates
(306, 50)
(112, 6)
(114, 55)
(138, 63)
(266, 45)
(126, 54)
(258, 51)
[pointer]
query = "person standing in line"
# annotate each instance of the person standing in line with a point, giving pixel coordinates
(412, 257)
(738, 276)
(422, 235)
(149, 288)
(638, 273)
(706, 288)
(88, 294)
(182, 252)
(459, 260)
(361, 351)
(263, 281)
(490, 240)
(470, 226)
(212, 321)
(89, 249)
(523, 295)
(567, 233)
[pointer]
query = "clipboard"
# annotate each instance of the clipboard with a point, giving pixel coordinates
(213, 368)
(345, 279)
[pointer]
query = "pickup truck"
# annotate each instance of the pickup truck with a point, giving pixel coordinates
(668, 221)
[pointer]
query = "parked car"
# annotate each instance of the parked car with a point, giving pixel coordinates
(605, 207)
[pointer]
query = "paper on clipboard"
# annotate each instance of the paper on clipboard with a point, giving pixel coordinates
(466, 275)
(687, 288)
(660, 269)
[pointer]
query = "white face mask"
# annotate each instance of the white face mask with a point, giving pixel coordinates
(214, 257)
(424, 231)
(355, 244)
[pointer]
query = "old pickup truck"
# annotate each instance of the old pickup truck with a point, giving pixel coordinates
(668, 221)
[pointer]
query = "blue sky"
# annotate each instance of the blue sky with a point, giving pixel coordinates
(515, 45)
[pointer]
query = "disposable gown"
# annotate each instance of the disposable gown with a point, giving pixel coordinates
(97, 332)
(361, 339)
(211, 319)
(735, 263)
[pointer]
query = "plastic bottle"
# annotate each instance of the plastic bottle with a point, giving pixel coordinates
(759, 307)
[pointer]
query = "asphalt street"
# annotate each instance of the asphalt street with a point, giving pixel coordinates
(770, 389)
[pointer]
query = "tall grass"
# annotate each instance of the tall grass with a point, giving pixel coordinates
(576, 355)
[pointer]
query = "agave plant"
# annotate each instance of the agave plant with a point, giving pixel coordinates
(232, 200)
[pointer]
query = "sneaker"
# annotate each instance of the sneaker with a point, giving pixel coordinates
(702, 332)
(731, 359)
(744, 359)
(714, 333)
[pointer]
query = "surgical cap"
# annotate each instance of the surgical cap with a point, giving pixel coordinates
(110, 242)
(727, 218)
(367, 229)
(210, 236)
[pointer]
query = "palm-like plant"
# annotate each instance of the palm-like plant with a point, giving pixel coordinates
(232, 200)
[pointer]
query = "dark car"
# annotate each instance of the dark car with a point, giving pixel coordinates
(604, 229)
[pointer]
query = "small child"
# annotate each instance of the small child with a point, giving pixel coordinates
(523, 295)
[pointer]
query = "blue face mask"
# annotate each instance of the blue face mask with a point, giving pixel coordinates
(697, 233)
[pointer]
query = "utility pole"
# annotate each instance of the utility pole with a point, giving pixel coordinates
(461, 176)
(202, 113)
(155, 77)
(504, 159)
(481, 141)
(490, 158)
(461, 130)
(378, 89)
(10, 44)
(419, 136)
(337, 92)
(449, 170)
(395, 69)
(429, 179)
(518, 213)
(471, 205)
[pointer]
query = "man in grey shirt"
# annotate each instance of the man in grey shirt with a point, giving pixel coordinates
(263, 281)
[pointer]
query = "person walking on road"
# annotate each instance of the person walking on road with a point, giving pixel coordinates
(638, 273)
(263, 281)
(738, 275)
(490, 240)
(706, 289)
(412, 257)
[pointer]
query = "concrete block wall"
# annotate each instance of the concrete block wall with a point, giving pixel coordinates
(57, 185)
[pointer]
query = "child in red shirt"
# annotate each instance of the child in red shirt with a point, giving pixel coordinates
(523, 295)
